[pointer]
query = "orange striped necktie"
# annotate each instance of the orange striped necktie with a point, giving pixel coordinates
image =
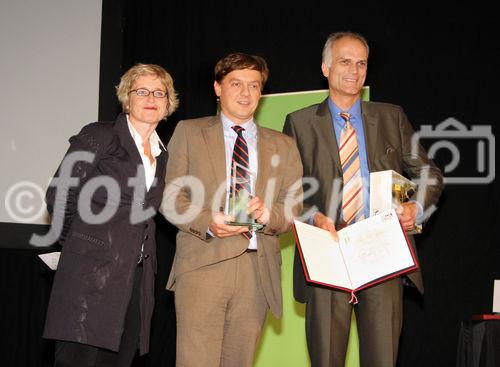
(352, 193)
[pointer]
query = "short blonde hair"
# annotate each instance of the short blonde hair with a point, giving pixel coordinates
(128, 79)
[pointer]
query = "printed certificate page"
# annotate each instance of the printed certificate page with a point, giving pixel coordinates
(375, 248)
(321, 256)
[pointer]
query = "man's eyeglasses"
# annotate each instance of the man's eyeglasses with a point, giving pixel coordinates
(143, 92)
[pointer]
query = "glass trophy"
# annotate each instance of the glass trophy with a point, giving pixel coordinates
(238, 200)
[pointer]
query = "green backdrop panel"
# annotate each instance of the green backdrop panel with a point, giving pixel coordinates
(283, 342)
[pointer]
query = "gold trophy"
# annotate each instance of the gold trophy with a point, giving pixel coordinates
(402, 192)
(388, 190)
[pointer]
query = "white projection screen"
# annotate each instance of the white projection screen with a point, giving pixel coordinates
(49, 73)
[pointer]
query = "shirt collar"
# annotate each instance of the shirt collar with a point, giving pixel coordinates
(249, 126)
(354, 111)
(154, 139)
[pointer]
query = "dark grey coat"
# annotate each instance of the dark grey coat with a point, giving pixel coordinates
(93, 282)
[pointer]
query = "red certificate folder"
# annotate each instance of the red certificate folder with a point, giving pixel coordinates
(486, 317)
(367, 253)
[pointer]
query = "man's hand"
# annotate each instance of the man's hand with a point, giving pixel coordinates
(407, 214)
(324, 222)
(220, 229)
(259, 211)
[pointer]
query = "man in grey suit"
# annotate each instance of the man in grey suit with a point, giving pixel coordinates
(383, 142)
(225, 277)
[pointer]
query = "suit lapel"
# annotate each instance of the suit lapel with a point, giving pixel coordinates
(126, 139)
(161, 161)
(370, 127)
(129, 145)
(324, 128)
(265, 151)
(214, 141)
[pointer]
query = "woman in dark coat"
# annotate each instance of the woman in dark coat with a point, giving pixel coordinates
(102, 201)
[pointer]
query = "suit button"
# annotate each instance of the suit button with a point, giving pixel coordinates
(146, 256)
(146, 237)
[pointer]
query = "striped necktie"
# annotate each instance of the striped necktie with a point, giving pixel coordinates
(240, 166)
(352, 193)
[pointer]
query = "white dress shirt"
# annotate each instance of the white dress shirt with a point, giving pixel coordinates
(154, 142)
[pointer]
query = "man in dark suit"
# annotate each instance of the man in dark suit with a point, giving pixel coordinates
(382, 141)
(226, 278)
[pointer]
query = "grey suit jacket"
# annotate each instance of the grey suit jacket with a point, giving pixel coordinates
(388, 144)
(197, 156)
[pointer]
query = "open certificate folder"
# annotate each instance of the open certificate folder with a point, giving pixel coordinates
(368, 252)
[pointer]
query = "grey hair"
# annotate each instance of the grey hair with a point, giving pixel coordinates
(327, 49)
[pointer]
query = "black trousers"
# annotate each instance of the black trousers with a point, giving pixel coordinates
(69, 354)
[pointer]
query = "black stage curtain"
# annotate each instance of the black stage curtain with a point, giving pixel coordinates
(436, 63)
